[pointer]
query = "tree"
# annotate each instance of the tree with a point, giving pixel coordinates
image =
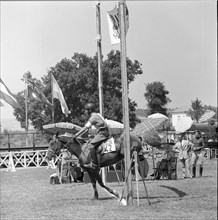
(78, 80)
(196, 110)
(156, 96)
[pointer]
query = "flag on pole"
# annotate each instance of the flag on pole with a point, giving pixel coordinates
(57, 93)
(35, 92)
(114, 24)
(206, 116)
(7, 95)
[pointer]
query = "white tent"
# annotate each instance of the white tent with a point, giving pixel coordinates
(157, 115)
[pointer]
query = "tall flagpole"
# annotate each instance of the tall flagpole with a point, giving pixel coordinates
(122, 15)
(100, 80)
(26, 110)
(52, 98)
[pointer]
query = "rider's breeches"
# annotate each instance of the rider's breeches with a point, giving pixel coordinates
(99, 138)
(186, 171)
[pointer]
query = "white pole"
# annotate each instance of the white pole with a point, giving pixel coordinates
(136, 175)
(26, 110)
(100, 84)
(122, 15)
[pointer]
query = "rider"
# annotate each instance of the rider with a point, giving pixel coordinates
(102, 135)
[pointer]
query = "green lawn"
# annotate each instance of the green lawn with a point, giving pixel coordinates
(27, 195)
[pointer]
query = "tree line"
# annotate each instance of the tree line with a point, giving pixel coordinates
(78, 80)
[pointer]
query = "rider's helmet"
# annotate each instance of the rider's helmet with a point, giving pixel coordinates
(90, 106)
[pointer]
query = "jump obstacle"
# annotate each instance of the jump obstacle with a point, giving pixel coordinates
(135, 157)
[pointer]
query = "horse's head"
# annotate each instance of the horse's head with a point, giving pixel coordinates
(64, 141)
(54, 147)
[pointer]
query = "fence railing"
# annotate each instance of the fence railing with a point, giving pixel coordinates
(25, 158)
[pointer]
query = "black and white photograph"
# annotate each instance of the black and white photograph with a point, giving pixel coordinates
(108, 110)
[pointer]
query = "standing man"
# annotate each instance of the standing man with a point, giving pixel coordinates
(198, 153)
(102, 135)
(183, 147)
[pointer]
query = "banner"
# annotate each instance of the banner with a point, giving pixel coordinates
(7, 95)
(114, 24)
(57, 93)
(35, 92)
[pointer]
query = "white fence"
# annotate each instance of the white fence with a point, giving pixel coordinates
(25, 158)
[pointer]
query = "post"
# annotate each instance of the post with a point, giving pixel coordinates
(136, 175)
(9, 144)
(52, 97)
(122, 15)
(26, 109)
(34, 144)
(100, 84)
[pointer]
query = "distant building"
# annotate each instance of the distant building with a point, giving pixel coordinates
(178, 113)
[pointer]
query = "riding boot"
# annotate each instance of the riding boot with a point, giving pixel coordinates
(200, 171)
(193, 171)
(94, 160)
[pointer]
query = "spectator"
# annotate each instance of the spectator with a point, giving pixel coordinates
(162, 163)
(183, 147)
(198, 153)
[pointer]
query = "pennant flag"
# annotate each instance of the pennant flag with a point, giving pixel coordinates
(35, 92)
(57, 93)
(7, 95)
(206, 116)
(114, 24)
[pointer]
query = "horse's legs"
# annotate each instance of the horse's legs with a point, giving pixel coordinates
(113, 192)
(93, 181)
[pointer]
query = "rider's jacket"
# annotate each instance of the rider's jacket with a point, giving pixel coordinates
(99, 123)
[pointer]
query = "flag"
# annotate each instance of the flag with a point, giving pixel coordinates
(35, 92)
(206, 116)
(7, 95)
(57, 93)
(114, 24)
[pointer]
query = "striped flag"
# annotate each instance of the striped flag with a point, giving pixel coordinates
(57, 93)
(114, 24)
(206, 116)
(7, 95)
(35, 92)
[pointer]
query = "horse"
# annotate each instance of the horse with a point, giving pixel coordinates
(80, 149)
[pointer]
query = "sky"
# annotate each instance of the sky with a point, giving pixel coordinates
(175, 41)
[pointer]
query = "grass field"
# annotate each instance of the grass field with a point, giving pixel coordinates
(27, 195)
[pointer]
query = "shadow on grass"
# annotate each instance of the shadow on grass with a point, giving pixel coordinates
(179, 192)
(91, 199)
